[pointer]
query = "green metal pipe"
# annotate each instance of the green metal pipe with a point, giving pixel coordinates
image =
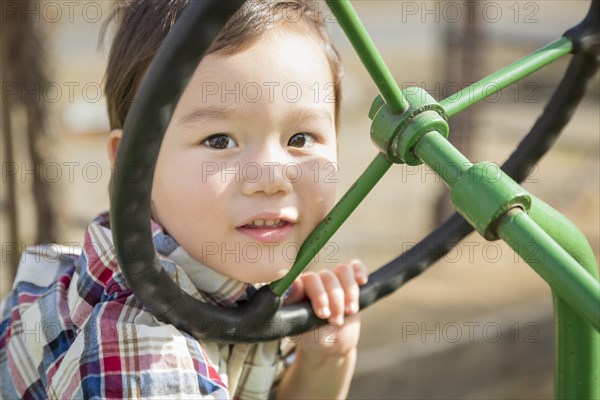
(370, 57)
(442, 157)
(572, 283)
(336, 217)
(577, 344)
(506, 76)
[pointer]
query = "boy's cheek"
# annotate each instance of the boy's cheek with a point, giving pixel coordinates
(321, 172)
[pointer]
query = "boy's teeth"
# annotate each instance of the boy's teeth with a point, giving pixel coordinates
(263, 222)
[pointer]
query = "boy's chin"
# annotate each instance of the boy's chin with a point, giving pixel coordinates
(270, 276)
(272, 272)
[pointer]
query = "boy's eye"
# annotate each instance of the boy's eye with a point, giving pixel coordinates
(220, 141)
(301, 139)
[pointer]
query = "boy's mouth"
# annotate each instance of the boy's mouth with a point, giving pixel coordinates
(267, 230)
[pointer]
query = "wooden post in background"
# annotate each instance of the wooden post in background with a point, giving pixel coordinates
(463, 55)
(23, 66)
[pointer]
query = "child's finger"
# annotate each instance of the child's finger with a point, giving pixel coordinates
(297, 294)
(360, 271)
(336, 296)
(315, 290)
(345, 274)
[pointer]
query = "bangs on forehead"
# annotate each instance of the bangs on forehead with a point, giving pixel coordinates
(255, 19)
(146, 23)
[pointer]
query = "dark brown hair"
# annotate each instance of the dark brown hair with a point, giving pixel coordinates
(144, 24)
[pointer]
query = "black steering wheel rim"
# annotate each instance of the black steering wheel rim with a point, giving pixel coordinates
(262, 318)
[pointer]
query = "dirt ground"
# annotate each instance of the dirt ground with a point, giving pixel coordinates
(476, 325)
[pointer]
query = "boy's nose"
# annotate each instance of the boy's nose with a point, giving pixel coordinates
(267, 177)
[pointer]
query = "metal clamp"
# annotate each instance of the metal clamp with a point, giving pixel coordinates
(484, 194)
(395, 135)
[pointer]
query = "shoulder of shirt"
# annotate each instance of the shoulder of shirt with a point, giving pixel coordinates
(42, 264)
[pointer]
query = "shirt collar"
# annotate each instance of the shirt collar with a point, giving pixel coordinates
(214, 286)
(220, 288)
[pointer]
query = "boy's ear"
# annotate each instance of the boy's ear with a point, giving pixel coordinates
(113, 144)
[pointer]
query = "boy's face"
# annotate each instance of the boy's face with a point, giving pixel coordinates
(247, 166)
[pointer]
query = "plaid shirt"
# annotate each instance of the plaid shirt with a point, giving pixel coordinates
(72, 328)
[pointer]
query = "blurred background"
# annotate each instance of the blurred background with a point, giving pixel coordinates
(478, 324)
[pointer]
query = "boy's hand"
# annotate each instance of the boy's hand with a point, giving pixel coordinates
(334, 296)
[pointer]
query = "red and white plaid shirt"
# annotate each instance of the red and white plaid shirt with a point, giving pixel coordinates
(72, 328)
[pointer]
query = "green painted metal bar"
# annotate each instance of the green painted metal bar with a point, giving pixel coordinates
(506, 76)
(442, 157)
(370, 57)
(336, 217)
(577, 344)
(572, 283)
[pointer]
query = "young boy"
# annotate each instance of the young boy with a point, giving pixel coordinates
(238, 186)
